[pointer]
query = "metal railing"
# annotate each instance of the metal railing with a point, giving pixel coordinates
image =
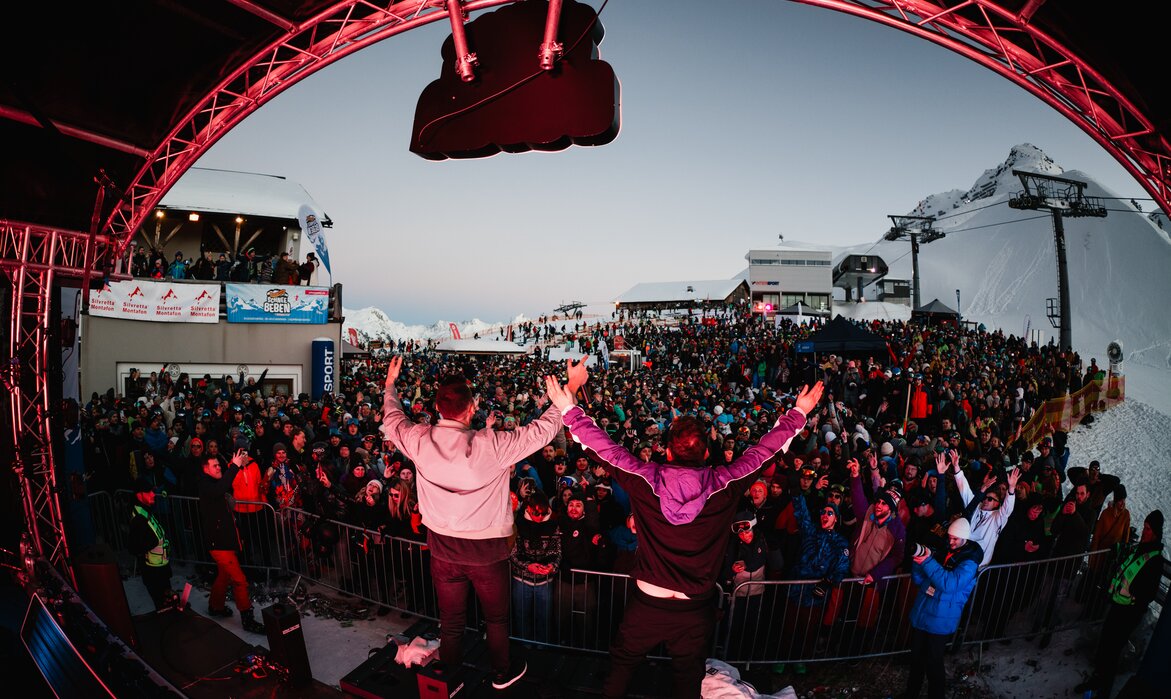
(260, 535)
(767, 621)
(782, 621)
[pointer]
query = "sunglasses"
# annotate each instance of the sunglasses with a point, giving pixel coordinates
(991, 499)
(834, 496)
(828, 511)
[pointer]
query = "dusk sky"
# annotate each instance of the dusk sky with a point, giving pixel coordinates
(740, 121)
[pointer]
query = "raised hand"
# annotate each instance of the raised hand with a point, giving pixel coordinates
(1013, 476)
(393, 369)
(853, 467)
(560, 395)
(989, 481)
(576, 373)
(808, 399)
(941, 464)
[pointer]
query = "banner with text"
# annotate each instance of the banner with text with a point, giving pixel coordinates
(166, 302)
(270, 303)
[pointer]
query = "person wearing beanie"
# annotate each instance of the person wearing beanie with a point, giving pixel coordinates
(148, 540)
(945, 580)
(249, 492)
(877, 548)
(1132, 587)
(1111, 529)
(682, 533)
(534, 563)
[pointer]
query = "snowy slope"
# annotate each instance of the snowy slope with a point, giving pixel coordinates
(1003, 262)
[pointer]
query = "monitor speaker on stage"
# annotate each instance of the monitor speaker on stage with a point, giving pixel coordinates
(438, 681)
(99, 582)
(286, 641)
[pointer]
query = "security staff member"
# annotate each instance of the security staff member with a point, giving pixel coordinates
(1133, 587)
(149, 542)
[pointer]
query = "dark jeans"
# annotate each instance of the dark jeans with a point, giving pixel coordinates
(686, 626)
(158, 583)
(1120, 623)
(491, 583)
(927, 658)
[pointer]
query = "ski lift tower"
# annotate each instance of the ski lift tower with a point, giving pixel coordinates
(1062, 198)
(918, 230)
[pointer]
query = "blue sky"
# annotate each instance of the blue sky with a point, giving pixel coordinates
(759, 119)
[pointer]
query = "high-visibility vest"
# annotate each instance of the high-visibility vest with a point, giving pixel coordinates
(1120, 584)
(156, 557)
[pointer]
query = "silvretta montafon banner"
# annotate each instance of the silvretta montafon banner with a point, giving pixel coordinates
(166, 302)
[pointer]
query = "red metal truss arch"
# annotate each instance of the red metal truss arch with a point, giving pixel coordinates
(305, 48)
(1005, 40)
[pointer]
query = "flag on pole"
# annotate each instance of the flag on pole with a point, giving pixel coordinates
(311, 226)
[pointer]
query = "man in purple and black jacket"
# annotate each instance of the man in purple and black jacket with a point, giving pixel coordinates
(683, 510)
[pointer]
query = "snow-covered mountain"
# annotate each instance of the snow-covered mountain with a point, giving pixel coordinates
(373, 324)
(1003, 262)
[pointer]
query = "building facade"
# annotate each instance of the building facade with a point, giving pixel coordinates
(783, 276)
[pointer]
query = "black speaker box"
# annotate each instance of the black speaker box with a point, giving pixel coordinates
(99, 582)
(286, 641)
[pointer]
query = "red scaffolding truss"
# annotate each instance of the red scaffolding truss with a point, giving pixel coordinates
(284, 42)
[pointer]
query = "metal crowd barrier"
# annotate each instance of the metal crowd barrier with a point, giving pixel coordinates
(179, 516)
(766, 621)
(782, 621)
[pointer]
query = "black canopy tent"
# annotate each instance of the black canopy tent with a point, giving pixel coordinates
(935, 313)
(841, 336)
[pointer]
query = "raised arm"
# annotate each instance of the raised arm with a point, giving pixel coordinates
(396, 427)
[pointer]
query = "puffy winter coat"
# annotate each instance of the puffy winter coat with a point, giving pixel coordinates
(825, 555)
(944, 589)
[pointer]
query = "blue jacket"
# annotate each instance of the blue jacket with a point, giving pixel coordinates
(944, 589)
(825, 555)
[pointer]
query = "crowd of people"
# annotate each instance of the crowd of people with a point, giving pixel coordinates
(912, 462)
(247, 266)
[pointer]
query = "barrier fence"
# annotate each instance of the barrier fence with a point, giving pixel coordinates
(767, 621)
(1067, 411)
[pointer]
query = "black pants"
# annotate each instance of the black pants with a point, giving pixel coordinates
(685, 625)
(927, 659)
(158, 583)
(1120, 623)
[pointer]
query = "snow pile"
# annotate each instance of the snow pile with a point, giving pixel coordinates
(373, 324)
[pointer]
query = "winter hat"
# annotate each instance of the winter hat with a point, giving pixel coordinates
(363, 455)
(891, 497)
(320, 447)
(960, 529)
(718, 410)
(279, 446)
(242, 442)
(1155, 521)
(376, 483)
(887, 449)
(830, 437)
(1119, 492)
(832, 506)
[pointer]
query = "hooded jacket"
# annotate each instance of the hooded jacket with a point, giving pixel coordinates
(683, 510)
(944, 589)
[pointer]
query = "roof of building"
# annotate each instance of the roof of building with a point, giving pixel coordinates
(665, 292)
(243, 193)
(473, 346)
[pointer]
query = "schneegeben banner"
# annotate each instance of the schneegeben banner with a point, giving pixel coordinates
(277, 303)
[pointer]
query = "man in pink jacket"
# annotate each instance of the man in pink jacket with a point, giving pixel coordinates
(462, 481)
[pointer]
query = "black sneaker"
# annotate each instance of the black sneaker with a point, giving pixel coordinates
(223, 612)
(507, 679)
